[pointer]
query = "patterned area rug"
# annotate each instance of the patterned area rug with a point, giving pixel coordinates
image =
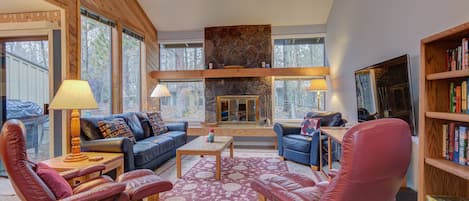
(199, 182)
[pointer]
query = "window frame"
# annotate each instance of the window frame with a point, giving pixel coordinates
(298, 36)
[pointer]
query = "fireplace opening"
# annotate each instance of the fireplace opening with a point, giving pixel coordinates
(238, 109)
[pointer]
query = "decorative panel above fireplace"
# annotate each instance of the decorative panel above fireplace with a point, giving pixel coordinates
(238, 109)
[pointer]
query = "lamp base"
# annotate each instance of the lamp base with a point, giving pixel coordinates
(75, 157)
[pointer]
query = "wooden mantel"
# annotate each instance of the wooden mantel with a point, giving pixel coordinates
(243, 72)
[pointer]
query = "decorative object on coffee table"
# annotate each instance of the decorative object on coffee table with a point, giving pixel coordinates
(74, 95)
(211, 135)
(318, 85)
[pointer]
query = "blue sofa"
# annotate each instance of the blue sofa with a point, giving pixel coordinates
(148, 152)
(295, 147)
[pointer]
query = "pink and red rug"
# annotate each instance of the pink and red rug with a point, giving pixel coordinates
(199, 182)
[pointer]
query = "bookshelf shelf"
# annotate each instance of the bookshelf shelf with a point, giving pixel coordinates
(449, 167)
(448, 116)
(448, 75)
(438, 176)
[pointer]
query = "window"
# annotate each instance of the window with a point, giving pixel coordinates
(96, 60)
(299, 52)
(188, 56)
(186, 101)
(293, 99)
(131, 67)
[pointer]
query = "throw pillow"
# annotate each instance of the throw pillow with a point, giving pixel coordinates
(157, 123)
(116, 128)
(56, 183)
(310, 126)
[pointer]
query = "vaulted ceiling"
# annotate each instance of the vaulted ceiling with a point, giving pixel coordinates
(186, 15)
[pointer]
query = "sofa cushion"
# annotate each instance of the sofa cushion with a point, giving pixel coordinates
(165, 143)
(327, 118)
(297, 143)
(116, 128)
(150, 148)
(90, 129)
(134, 123)
(179, 137)
(143, 118)
(157, 123)
(310, 126)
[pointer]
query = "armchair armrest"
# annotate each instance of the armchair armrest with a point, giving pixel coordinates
(281, 131)
(116, 145)
(104, 192)
(67, 175)
(177, 126)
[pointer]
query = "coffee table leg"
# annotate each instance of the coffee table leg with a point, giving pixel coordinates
(178, 164)
(231, 149)
(218, 168)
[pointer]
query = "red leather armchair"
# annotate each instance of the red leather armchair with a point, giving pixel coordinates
(29, 186)
(376, 155)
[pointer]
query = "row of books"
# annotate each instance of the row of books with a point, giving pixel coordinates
(458, 58)
(455, 144)
(458, 95)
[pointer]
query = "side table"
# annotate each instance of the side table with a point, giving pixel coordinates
(110, 160)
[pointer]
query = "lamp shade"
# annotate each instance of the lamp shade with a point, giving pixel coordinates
(318, 85)
(73, 94)
(160, 91)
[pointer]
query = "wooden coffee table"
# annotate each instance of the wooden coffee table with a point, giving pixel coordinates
(199, 146)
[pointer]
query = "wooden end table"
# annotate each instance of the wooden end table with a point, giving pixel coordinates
(199, 146)
(110, 160)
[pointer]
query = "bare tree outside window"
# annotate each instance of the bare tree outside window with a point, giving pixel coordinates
(292, 96)
(188, 56)
(186, 101)
(96, 63)
(131, 66)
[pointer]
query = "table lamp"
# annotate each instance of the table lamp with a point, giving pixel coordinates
(318, 85)
(74, 95)
(160, 91)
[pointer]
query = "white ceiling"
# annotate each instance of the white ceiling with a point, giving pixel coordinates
(15, 6)
(184, 15)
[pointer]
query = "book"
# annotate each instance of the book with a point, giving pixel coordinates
(445, 141)
(457, 91)
(451, 141)
(464, 96)
(452, 100)
(462, 145)
(456, 145)
(445, 198)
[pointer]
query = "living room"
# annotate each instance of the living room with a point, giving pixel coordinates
(163, 78)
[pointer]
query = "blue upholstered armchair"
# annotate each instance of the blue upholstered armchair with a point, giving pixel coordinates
(295, 147)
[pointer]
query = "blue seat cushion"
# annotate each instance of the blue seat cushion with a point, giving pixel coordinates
(179, 137)
(297, 143)
(148, 149)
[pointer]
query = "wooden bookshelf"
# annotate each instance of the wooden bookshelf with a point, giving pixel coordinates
(438, 176)
(242, 72)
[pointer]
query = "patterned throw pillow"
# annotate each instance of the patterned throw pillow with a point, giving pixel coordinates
(116, 128)
(310, 126)
(157, 123)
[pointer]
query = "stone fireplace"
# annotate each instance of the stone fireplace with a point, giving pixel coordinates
(242, 109)
(247, 46)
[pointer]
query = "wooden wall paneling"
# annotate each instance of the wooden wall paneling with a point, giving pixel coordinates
(117, 68)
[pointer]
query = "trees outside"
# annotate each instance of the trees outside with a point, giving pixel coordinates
(96, 63)
(186, 101)
(33, 51)
(131, 67)
(292, 96)
(181, 57)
